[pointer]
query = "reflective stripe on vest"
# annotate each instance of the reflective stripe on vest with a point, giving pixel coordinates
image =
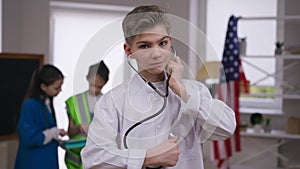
(73, 157)
(78, 109)
(83, 108)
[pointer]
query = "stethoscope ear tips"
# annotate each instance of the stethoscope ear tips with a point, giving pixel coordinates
(173, 51)
(129, 56)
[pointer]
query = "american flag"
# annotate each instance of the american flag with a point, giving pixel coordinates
(228, 91)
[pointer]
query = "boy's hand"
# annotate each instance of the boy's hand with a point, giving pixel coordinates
(165, 154)
(175, 70)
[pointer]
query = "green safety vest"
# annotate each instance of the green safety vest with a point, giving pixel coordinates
(78, 110)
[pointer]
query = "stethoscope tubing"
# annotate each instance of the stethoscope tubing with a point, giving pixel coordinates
(160, 93)
(142, 121)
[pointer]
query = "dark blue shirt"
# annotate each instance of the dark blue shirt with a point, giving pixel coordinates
(32, 154)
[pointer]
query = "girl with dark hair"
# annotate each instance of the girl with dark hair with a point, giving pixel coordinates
(37, 129)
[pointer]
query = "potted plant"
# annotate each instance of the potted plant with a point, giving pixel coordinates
(279, 47)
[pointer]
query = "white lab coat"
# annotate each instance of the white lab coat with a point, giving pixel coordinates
(196, 121)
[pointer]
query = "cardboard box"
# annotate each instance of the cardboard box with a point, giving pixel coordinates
(292, 125)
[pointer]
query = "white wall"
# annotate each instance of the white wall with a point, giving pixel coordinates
(26, 23)
(1, 25)
(26, 26)
(11, 26)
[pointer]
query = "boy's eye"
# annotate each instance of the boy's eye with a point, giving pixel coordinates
(144, 46)
(163, 43)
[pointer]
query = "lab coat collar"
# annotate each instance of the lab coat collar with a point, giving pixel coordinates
(138, 83)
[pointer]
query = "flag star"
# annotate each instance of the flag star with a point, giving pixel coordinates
(236, 63)
(235, 40)
(236, 52)
(230, 46)
(236, 75)
(231, 58)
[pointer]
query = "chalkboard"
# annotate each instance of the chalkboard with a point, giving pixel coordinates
(15, 71)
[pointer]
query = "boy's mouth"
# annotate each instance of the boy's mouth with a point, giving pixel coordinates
(157, 65)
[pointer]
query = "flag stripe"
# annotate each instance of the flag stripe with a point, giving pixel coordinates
(228, 147)
(216, 150)
(237, 115)
(222, 147)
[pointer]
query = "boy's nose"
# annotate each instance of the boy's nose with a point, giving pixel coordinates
(156, 53)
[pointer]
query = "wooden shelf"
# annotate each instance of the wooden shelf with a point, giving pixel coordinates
(283, 56)
(291, 96)
(266, 111)
(260, 95)
(278, 134)
(263, 18)
(288, 56)
(257, 56)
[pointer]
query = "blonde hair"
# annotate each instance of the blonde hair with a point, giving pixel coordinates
(143, 18)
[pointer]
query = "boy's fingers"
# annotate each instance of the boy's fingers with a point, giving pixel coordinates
(174, 139)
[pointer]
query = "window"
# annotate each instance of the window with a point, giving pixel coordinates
(259, 63)
(73, 25)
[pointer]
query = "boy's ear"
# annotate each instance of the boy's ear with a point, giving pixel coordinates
(127, 49)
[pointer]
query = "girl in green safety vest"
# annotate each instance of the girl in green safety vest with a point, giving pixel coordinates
(80, 109)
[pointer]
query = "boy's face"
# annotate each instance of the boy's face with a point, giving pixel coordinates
(151, 50)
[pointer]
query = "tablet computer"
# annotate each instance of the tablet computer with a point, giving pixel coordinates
(69, 144)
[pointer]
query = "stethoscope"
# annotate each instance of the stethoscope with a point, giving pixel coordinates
(164, 95)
